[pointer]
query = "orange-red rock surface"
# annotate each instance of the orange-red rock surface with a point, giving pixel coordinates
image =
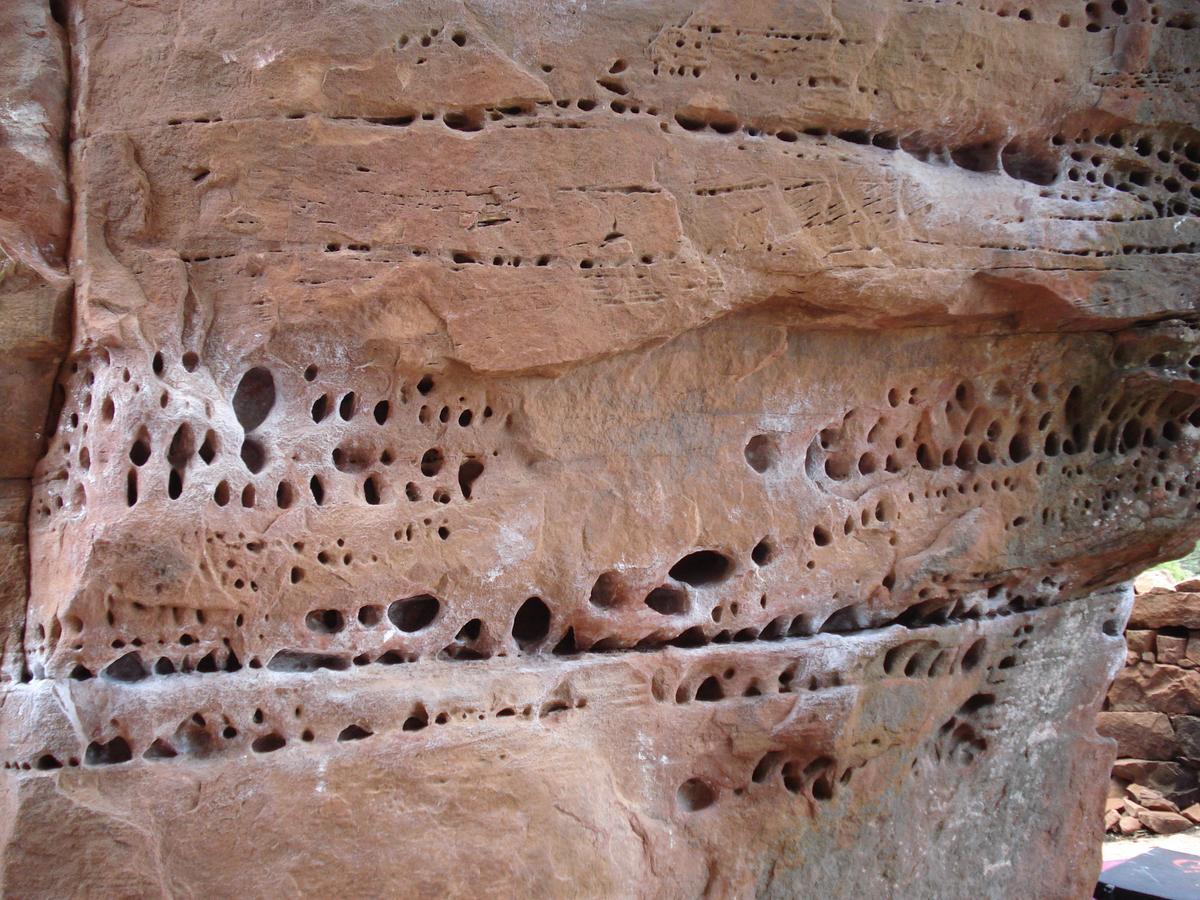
(596, 449)
(1152, 711)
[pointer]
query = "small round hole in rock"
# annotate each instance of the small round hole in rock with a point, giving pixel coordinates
(762, 553)
(325, 621)
(431, 462)
(761, 453)
(694, 795)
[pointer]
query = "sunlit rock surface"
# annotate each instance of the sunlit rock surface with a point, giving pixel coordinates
(626, 449)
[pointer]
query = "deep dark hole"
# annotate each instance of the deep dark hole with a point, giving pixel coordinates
(710, 690)
(668, 601)
(431, 462)
(115, 751)
(254, 455)
(566, 646)
(299, 661)
(692, 637)
(139, 453)
(604, 591)
(531, 623)
(977, 157)
(254, 398)
(414, 613)
(974, 655)
(371, 491)
(765, 767)
(268, 743)
(128, 668)
(354, 733)
(463, 121)
(470, 631)
(468, 472)
(325, 621)
(1026, 166)
(208, 450)
(320, 408)
(842, 620)
(700, 568)
(417, 719)
(183, 445)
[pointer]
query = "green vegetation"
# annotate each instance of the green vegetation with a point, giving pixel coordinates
(1182, 568)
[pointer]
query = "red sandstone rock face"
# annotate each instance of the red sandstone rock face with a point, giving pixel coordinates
(648, 449)
(34, 288)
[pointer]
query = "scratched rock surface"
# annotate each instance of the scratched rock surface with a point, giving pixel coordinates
(625, 449)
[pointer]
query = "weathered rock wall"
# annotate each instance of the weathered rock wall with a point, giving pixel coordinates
(1153, 708)
(35, 291)
(624, 449)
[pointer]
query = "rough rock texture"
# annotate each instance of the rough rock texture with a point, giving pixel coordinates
(34, 287)
(1152, 709)
(607, 449)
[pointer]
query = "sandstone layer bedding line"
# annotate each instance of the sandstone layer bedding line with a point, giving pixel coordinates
(689, 770)
(638, 448)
